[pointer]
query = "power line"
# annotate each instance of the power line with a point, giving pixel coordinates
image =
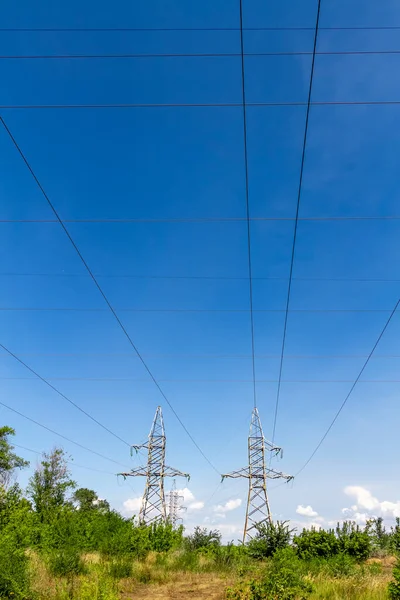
(210, 356)
(190, 29)
(202, 220)
(296, 223)
(71, 462)
(229, 380)
(103, 293)
(205, 277)
(196, 55)
(246, 176)
(190, 310)
(62, 436)
(350, 391)
(288, 104)
(64, 396)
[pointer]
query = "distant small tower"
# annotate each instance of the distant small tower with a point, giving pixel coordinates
(174, 505)
(257, 473)
(153, 506)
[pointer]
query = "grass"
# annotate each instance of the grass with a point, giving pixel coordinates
(179, 576)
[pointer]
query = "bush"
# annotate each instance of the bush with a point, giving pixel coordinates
(353, 541)
(100, 588)
(121, 568)
(65, 563)
(394, 586)
(14, 573)
(284, 580)
(341, 565)
(395, 537)
(270, 538)
(202, 538)
(316, 544)
(163, 537)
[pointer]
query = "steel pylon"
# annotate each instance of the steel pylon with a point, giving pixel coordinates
(258, 510)
(174, 505)
(153, 507)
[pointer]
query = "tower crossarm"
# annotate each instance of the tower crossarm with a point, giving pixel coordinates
(137, 447)
(171, 472)
(136, 472)
(272, 474)
(245, 472)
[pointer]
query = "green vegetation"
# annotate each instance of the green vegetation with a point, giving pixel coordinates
(58, 542)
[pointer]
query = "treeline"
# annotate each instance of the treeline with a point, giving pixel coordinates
(53, 525)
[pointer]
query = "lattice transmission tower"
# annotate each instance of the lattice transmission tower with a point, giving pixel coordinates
(153, 507)
(174, 505)
(257, 473)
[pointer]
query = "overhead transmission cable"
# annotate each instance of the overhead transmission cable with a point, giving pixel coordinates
(189, 29)
(144, 105)
(61, 435)
(108, 303)
(74, 404)
(296, 222)
(196, 55)
(205, 220)
(246, 176)
(71, 462)
(318, 446)
(202, 277)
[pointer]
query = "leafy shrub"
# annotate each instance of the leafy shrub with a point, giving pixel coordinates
(284, 580)
(202, 538)
(353, 541)
(270, 538)
(121, 568)
(312, 544)
(100, 588)
(186, 561)
(395, 537)
(394, 586)
(163, 537)
(14, 574)
(340, 565)
(65, 563)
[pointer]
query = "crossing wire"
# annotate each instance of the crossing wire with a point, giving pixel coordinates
(100, 289)
(143, 105)
(71, 462)
(60, 435)
(296, 224)
(196, 55)
(190, 29)
(202, 277)
(206, 219)
(63, 395)
(246, 175)
(318, 446)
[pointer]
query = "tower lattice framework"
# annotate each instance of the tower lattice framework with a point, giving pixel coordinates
(258, 510)
(153, 507)
(174, 505)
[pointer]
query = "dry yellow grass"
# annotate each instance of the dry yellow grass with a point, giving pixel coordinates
(187, 586)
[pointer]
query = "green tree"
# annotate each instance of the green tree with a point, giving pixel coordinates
(49, 486)
(270, 538)
(9, 461)
(202, 538)
(85, 498)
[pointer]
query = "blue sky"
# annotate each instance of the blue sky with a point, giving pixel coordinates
(171, 163)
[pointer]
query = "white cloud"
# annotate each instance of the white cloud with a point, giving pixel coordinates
(367, 506)
(189, 500)
(186, 494)
(198, 505)
(132, 506)
(306, 511)
(221, 509)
